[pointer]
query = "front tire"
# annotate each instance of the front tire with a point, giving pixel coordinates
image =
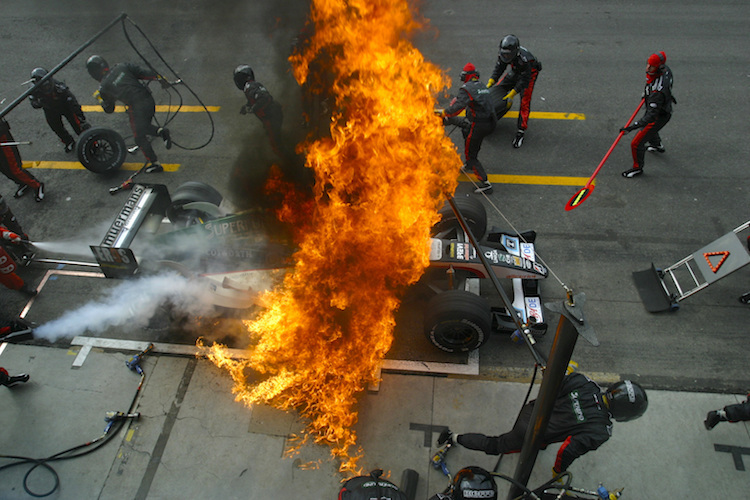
(457, 321)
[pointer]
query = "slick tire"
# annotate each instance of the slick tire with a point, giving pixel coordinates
(101, 150)
(472, 210)
(457, 321)
(188, 193)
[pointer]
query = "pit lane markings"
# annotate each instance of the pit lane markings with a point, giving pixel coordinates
(74, 165)
(546, 180)
(159, 109)
(548, 115)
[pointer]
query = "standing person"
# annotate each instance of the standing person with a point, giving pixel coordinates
(520, 79)
(57, 101)
(580, 420)
(12, 167)
(658, 100)
(480, 121)
(261, 103)
(731, 413)
(123, 83)
(11, 233)
(10, 380)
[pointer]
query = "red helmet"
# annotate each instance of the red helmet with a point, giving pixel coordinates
(468, 72)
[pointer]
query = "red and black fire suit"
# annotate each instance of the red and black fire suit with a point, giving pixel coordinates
(658, 102)
(57, 101)
(480, 121)
(10, 161)
(261, 103)
(521, 77)
(123, 83)
(9, 226)
(579, 420)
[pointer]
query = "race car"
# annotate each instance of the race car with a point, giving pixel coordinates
(195, 232)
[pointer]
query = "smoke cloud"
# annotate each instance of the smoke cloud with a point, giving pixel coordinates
(133, 303)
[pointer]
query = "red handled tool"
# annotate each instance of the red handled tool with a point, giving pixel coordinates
(586, 190)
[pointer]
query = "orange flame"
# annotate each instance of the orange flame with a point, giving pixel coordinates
(379, 183)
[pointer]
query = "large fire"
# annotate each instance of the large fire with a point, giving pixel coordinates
(379, 182)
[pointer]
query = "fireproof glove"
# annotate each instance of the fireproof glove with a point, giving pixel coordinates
(243, 110)
(11, 236)
(490, 83)
(164, 82)
(630, 128)
(511, 94)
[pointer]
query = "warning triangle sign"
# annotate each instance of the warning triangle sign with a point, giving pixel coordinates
(715, 268)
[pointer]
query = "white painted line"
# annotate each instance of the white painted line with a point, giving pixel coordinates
(2, 347)
(471, 368)
(81, 356)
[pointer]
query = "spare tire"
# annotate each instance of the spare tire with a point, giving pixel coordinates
(457, 321)
(101, 150)
(474, 214)
(188, 193)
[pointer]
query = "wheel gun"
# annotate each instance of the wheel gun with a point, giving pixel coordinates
(135, 362)
(445, 440)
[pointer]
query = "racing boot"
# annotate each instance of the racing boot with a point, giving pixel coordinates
(164, 134)
(484, 187)
(39, 196)
(629, 174)
(655, 148)
(17, 379)
(70, 146)
(713, 418)
(22, 190)
(154, 168)
(518, 141)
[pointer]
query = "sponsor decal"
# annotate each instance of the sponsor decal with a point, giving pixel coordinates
(527, 251)
(576, 404)
(534, 308)
(510, 243)
(122, 218)
(478, 493)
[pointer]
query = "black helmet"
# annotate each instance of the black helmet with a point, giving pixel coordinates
(626, 400)
(38, 73)
(97, 66)
(473, 482)
(242, 74)
(509, 48)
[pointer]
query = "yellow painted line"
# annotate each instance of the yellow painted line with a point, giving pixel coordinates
(546, 180)
(548, 115)
(159, 109)
(74, 165)
(129, 435)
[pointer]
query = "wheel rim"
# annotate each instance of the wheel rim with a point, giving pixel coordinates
(101, 150)
(457, 336)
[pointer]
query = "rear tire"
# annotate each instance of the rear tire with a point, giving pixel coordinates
(457, 321)
(188, 193)
(101, 150)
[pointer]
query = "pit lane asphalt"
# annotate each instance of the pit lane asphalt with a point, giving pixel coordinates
(594, 61)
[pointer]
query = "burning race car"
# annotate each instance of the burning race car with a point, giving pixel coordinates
(196, 233)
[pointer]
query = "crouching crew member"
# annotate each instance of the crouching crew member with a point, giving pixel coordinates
(520, 79)
(580, 420)
(123, 83)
